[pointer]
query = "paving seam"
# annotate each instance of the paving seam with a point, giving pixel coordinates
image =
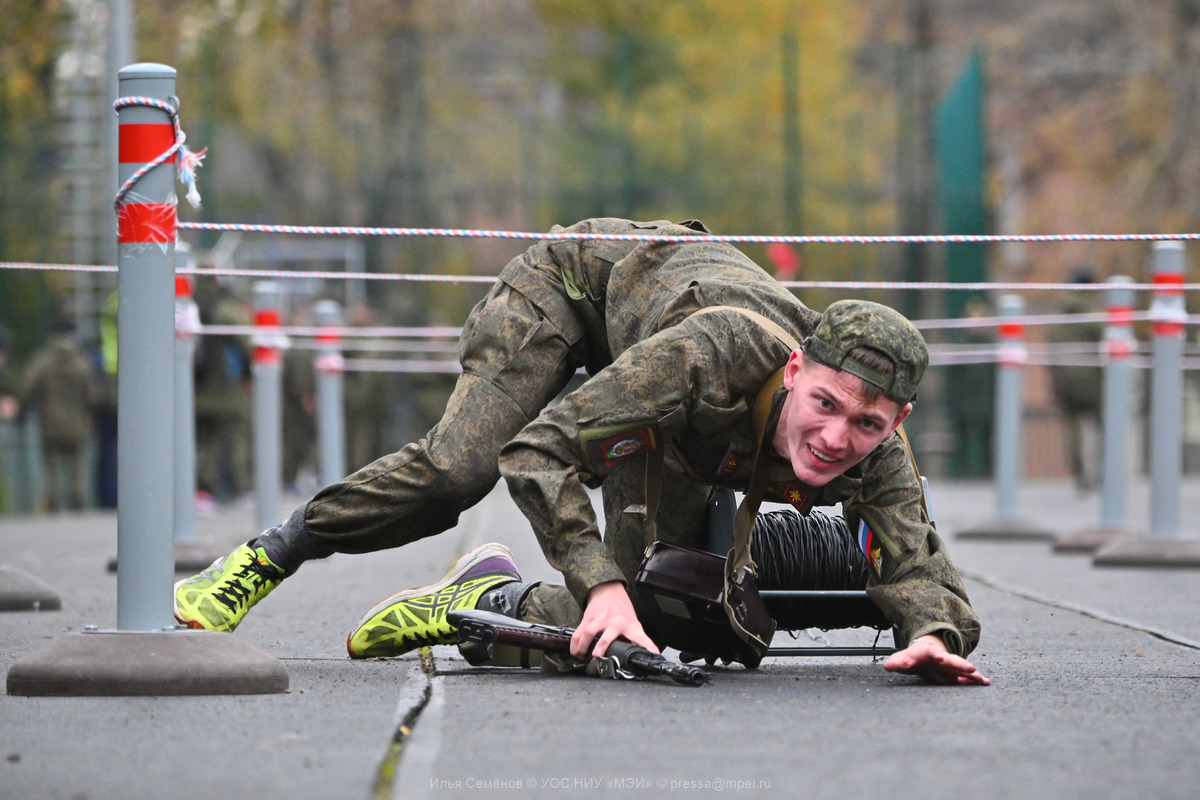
(415, 774)
(409, 712)
(385, 782)
(1065, 605)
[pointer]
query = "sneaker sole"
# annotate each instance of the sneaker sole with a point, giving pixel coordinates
(453, 575)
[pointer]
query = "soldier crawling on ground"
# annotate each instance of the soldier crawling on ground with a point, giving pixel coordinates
(679, 335)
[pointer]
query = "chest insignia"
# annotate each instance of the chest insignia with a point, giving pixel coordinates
(796, 496)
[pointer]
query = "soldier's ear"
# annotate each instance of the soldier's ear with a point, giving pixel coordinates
(792, 368)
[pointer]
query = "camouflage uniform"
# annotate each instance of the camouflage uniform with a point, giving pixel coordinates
(222, 400)
(661, 376)
(1079, 390)
(299, 417)
(60, 386)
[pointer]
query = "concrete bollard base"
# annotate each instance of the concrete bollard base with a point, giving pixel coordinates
(1089, 540)
(999, 529)
(1143, 552)
(22, 592)
(124, 663)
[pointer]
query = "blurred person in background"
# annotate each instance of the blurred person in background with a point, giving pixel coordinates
(8, 413)
(971, 400)
(1079, 387)
(299, 410)
(8, 379)
(366, 402)
(59, 386)
(106, 407)
(222, 380)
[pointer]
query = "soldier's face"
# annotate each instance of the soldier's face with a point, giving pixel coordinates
(827, 426)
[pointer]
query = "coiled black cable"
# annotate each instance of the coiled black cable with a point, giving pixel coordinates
(813, 552)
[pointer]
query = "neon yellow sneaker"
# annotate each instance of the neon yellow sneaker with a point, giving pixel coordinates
(218, 598)
(417, 617)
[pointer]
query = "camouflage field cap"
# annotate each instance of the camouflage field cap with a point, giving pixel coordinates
(848, 324)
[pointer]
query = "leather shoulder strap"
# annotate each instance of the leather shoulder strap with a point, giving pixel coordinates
(743, 522)
(776, 330)
(913, 460)
(762, 404)
(748, 508)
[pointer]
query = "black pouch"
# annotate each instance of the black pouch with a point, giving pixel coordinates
(682, 594)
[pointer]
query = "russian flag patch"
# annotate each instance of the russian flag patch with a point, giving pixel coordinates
(873, 551)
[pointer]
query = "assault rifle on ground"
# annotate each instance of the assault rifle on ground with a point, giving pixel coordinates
(481, 629)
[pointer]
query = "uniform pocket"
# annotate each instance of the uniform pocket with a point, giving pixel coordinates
(511, 344)
(709, 419)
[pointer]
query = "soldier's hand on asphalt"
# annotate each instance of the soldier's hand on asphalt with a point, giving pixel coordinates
(926, 657)
(609, 614)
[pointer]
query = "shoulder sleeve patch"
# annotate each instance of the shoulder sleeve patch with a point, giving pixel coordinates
(606, 447)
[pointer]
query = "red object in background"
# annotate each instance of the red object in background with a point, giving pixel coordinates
(786, 260)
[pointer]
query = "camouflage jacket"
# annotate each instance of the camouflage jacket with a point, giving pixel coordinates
(665, 376)
(60, 385)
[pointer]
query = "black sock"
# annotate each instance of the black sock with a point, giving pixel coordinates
(506, 598)
(288, 544)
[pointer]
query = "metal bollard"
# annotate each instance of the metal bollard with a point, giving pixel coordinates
(187, 327)
(1007, 447)
(145, 351)
(267, 373)
(1166, 390)
(148, 654)
(329, 367)
(1118, 349)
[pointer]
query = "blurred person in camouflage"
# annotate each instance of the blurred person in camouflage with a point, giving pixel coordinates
(9, 386)
(365, 399)
(678, 338)
(222, 380)
(1079, 387)
(9, 407)
(299, 400)
(972, 402)
(59, 386)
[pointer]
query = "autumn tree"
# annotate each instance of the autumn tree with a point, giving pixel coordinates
(27, 52)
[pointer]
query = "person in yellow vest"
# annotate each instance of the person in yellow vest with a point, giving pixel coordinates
(676, 364)
(106, 407)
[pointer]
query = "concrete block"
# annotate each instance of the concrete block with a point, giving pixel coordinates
(123, 663)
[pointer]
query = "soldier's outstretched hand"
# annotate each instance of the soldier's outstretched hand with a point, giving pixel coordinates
(928, 658)
(609, 615)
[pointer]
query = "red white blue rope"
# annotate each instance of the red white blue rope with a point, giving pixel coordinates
(469, 233)
(489, 279)
(189, 162)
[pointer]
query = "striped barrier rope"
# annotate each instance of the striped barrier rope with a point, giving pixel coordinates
(470, 233)
(982, 286)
